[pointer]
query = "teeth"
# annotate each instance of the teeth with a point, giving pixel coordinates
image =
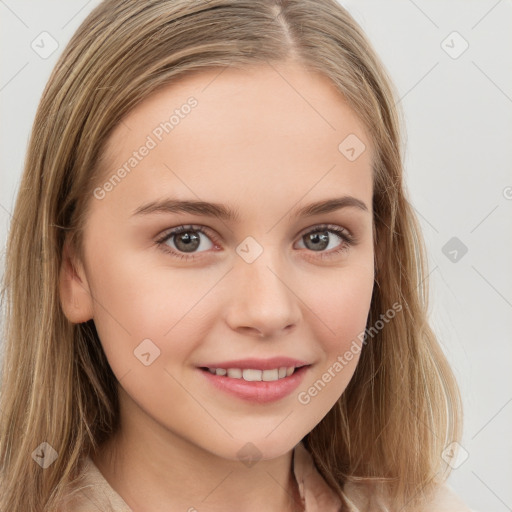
(270, 374)
(254, 375)
(235, 373)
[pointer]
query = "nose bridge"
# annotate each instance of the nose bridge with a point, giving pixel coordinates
(261, 269)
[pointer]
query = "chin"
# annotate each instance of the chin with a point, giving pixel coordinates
(253, 449)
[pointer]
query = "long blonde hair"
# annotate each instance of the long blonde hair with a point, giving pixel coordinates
(402, 406)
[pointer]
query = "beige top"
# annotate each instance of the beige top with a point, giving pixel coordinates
(96, 494)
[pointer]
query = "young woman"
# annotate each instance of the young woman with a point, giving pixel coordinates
(217, 296)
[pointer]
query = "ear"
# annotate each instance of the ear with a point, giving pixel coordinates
(75, 297)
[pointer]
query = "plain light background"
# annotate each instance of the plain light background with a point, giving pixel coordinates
(452, 65)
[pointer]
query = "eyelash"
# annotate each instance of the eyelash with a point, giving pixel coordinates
(348, 240)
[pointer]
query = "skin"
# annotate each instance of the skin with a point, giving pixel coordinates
(264, 142)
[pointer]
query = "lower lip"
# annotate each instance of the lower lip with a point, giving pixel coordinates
(257, 391)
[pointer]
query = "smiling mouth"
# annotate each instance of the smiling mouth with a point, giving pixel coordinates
(254, 375)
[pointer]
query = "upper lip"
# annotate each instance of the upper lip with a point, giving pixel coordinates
(257, 364)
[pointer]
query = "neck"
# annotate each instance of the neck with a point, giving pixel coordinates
(154, 470)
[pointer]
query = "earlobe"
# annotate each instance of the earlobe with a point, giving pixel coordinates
(75, 297)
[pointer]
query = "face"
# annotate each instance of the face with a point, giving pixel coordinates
(173, 289)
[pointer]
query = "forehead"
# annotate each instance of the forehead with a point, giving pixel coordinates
(277, 129)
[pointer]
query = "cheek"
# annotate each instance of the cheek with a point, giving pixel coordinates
(341, 304)
(340, 310)
(136, 302)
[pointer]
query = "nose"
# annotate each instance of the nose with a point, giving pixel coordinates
(262, 300)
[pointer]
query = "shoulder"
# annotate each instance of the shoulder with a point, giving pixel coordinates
(373, 496)
(445, 499)
(90, 491)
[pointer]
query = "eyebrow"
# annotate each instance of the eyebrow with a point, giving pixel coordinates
(223, 212)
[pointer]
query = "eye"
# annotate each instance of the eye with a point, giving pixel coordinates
(319, 239)
(185, 239)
